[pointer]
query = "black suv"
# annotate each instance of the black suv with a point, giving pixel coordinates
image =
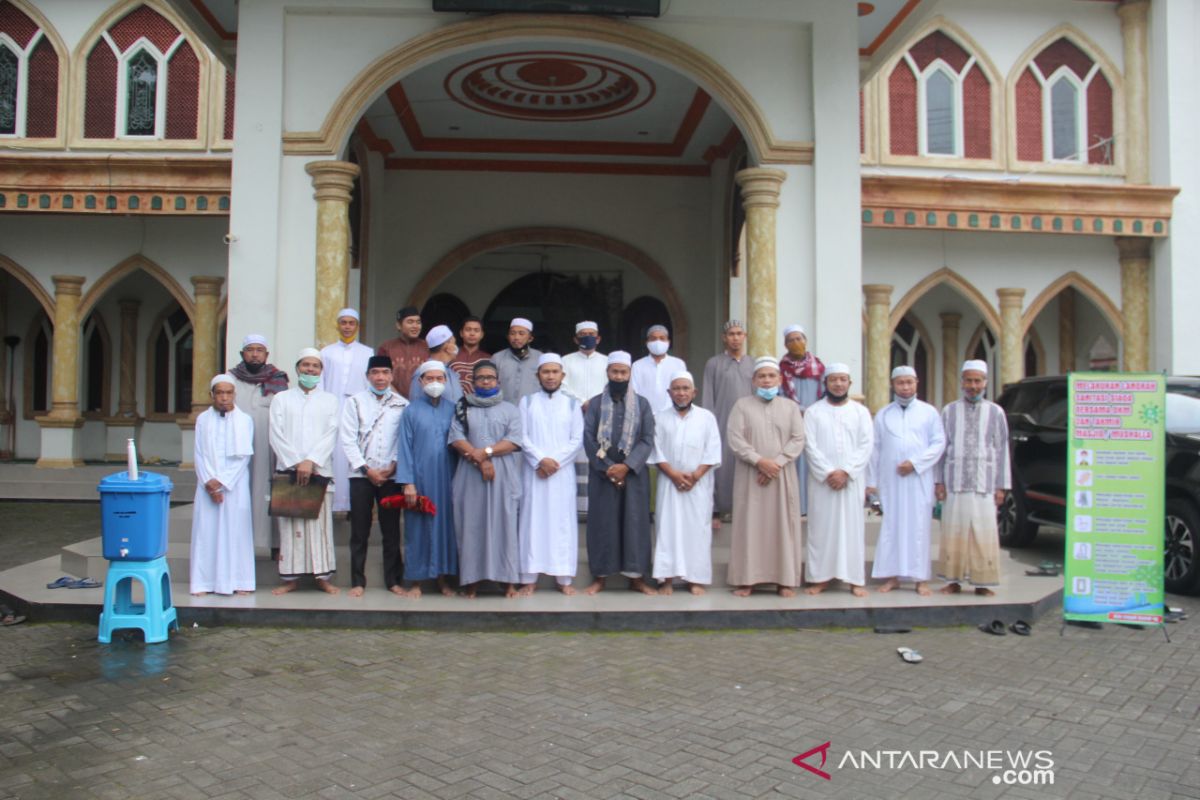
(1037, 430)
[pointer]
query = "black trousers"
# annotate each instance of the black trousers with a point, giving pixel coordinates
(363, 497)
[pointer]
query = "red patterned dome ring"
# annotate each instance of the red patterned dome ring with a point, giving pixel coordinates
(550, 86)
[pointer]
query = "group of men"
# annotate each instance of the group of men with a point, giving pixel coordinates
(478, 454)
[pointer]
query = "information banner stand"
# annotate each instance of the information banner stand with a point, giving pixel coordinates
(1115, 498)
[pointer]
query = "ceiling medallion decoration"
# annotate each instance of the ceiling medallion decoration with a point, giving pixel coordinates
(550, 86)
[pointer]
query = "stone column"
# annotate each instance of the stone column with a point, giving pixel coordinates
(1133, 14)
(61, 446)
(126, 423)
(1066, 330)
(333, 181)
(879, 344)
(951, 358)
(760, 196)
(205, 341)
(1012, 354)
(1135, 302)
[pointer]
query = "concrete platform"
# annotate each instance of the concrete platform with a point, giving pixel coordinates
(1018, 597)
(24, 481)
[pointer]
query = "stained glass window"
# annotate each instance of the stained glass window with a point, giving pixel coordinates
(141, 94)
(1064, 119)
(9, 75)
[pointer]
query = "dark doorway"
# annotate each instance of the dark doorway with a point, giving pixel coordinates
(553, 302)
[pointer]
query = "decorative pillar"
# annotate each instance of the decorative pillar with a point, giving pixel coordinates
(879, 344)
(333, 181)
(950, 355)
(125, 424)
(760, 197)
(1134, 24)
(1012, 354)
(1135, 302)
(1066, 331)
(205, 341)
(60, 428)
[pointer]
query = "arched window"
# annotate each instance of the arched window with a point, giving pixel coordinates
(28, 77)
(94, 397)
(939, 102)
(39, 345)
(984, 347)
(909, 348)
(1064, 107)
(170, 375)
(143, 81)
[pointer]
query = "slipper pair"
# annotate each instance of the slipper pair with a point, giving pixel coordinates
(909, 655)
(67, 582)
(996, 628)
(1046, 569)
(10, 617)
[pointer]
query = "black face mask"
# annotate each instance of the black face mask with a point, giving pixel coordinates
(681, 408)
(617, 389)
(253, 369)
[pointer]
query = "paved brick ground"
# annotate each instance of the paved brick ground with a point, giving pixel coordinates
(264, 713)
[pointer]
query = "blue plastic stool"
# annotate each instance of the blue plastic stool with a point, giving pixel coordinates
(155, 617)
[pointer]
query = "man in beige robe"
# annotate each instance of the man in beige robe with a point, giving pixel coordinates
(766, 434)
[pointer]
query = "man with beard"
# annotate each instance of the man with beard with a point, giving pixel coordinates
(407, 351)
(552, 432)
(838, 441)
(518, 365)
(486, 433)
(618, 436)
(255, 383)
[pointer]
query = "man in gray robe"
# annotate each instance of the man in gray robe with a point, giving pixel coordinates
(618, 437)
(487, 484)
(728, 377)
(518, 364)
(256, 382)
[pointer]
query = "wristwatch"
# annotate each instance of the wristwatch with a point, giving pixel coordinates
(488, 451)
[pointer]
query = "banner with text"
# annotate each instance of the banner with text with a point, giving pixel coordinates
(1115, 497)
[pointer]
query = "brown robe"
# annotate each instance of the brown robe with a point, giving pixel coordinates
(767, 545)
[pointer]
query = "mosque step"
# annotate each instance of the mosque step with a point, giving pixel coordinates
(27, 482)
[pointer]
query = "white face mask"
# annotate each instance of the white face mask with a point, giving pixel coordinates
(434, 389)
(658, 347)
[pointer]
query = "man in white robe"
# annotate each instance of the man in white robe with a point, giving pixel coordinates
(222, 554)
(343, 375)
(584, 374)
(687, 448)
(652, 373)
(257, 382)
(551, 435)
(909, 441)
(304, 431)
(838, 440)
(972, 478)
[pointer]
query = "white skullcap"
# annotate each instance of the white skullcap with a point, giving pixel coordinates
(790, 329)
(308, 351)
(224, 377)
(620, 357)
(683, 375)
(254, 338)
(765, 361)
(430, 365)
(904, 371)
(657, 329)
(837, 368)
(549, 358)
(438, 336)
(521, 322)
(974, 364)
(587, 324)
(348, 312)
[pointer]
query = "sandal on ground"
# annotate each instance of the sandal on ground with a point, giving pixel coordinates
(10, 617)
(909, 655)
(85, 583)
(61, 583)
(995, 627)
(1021, 628)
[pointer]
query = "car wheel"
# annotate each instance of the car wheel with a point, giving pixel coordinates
(1179, 550)
(1015, 528)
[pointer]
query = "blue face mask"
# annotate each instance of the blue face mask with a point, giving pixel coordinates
(767, 394)
(588, 342)
(486, 393)
(378, 392)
